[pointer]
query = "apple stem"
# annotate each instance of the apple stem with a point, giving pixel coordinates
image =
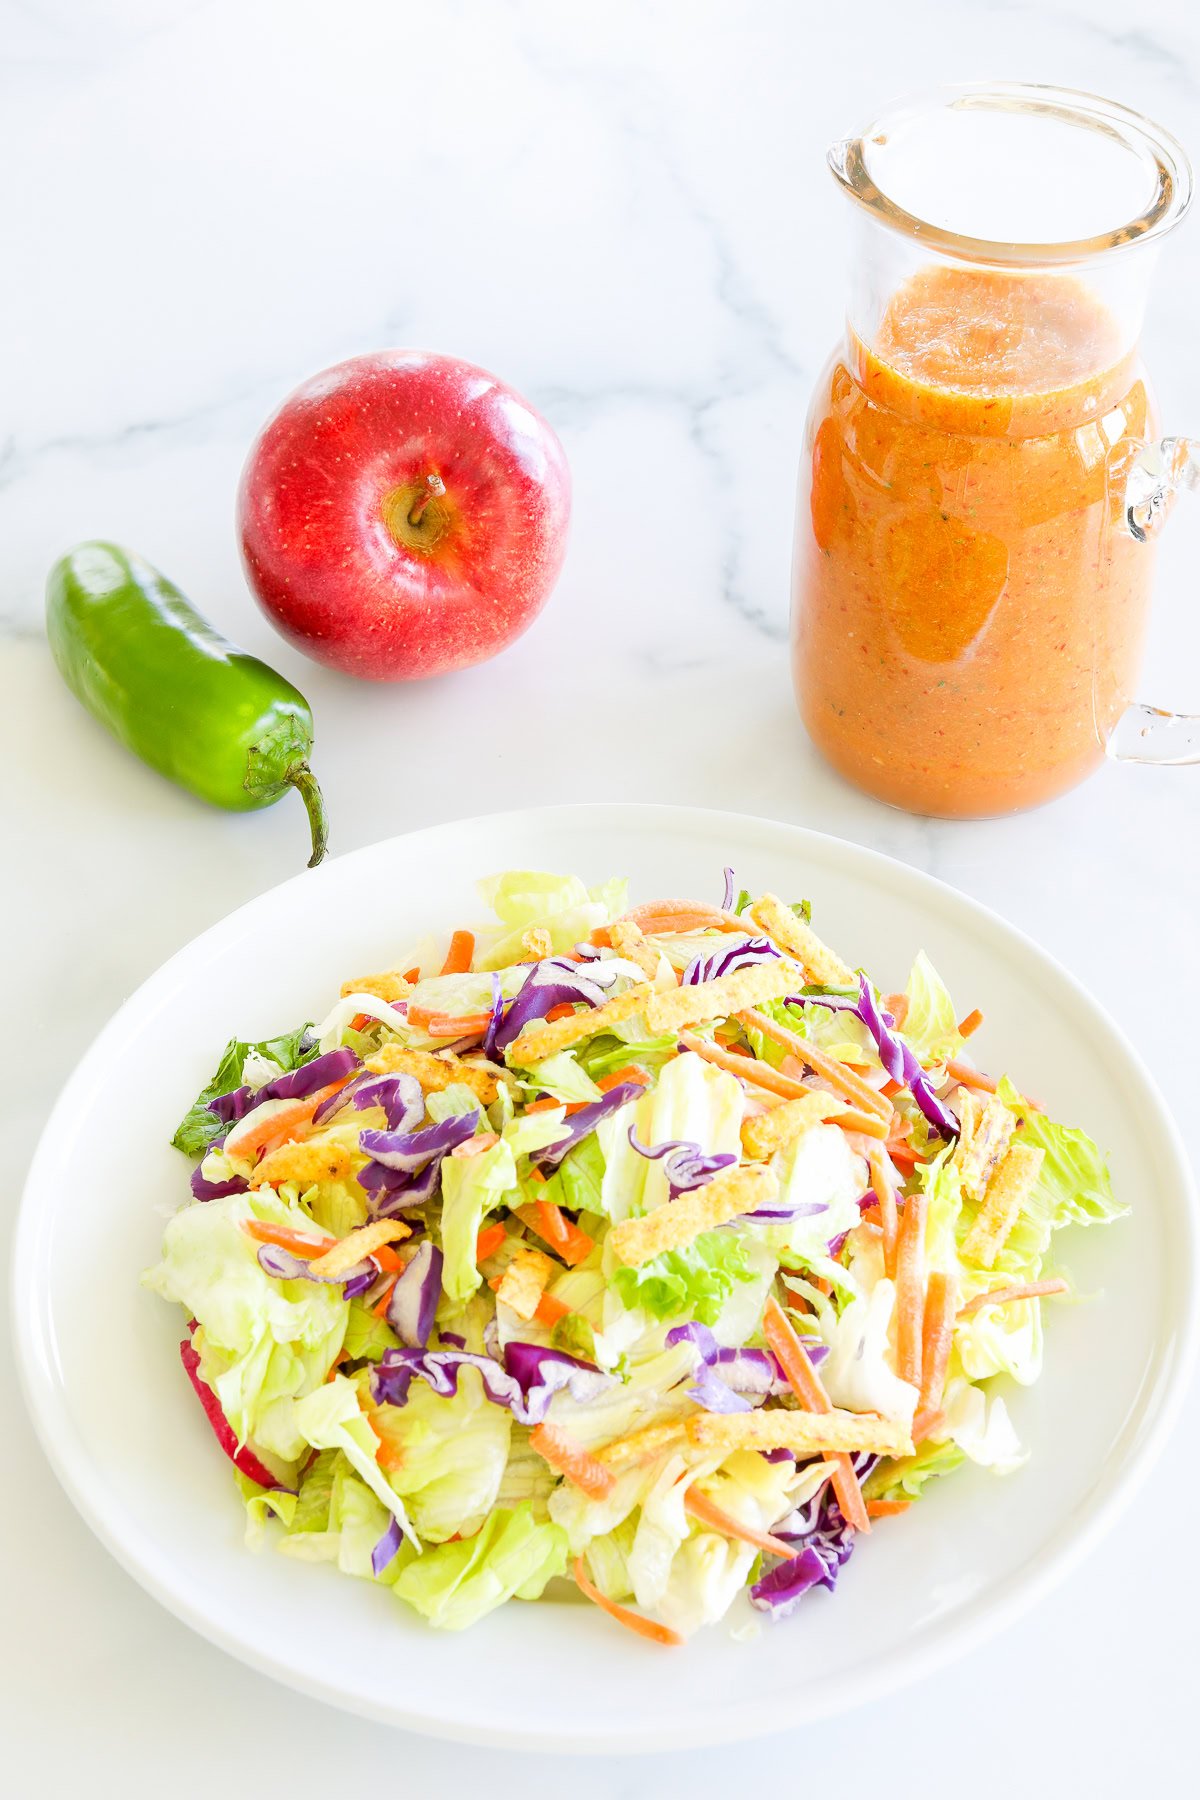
(434, 485)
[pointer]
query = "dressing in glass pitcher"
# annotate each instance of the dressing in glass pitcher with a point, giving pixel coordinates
(983, 472)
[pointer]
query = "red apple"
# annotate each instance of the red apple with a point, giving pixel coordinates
(404, 514)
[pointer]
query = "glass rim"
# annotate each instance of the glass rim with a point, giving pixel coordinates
(1158, 148)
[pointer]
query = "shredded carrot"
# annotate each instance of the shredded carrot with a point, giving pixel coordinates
(853, 1087)
(647, 1628)
(489, 1241)
(550, 1310)
(570, 1458)
(897, 1005)
(381, 1305)
(448, 1025)
(387, 1259)
(886, 1509)
(658, 916)
(360, 1021)
(389, 1457)
(281, 1126)
(1001, 1296)
(630, 1072)
(970, 1025)
(298, 1243)
(413, 975)
(764, 1076)
(707, 1512)
(928, 1421)
(910, 1289)
(937, 1334)
(460, 954)
(600, 939)
(891, 1088)
(899, 1129)
(564, 1010)
(552, 1225)
(537, 1175)
(546, 1104)
(968, 1077)
(868, 1125)
(475, 1146)
(882, 1188)
(805, 1383)
(443, 1025)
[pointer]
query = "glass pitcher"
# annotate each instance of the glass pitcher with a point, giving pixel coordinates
(983, 474)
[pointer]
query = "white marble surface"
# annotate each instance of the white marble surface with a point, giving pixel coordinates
(623, 210)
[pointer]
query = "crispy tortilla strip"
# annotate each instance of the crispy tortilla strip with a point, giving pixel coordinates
(672, 1009)
(1006, 1192)
(781, 1428)
(436, 1072)
(524, 1282)
(788, 930)
(352, 1249)
(767, 1132)
(642, 1446)
(388, 985)
(306, 1162)
(986, 1134)
(729, 1194)
(629, 940)
(536, 942)
(541, 1041)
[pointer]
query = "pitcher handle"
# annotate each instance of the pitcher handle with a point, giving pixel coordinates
(1150, 734)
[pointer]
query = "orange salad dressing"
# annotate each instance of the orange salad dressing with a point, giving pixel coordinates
(968, 609)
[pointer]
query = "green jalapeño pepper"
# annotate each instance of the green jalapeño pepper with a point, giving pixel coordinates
(173, 690)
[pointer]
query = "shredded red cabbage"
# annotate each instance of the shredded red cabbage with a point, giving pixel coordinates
(685, 1164)
(359, 1280)
(741, 955)
(724, 1376)
(405, 1166)
(387, 1546)
(413, 1304)
(526, 1382)
(399, 1096)
(585, 1121)
(730, 894)
(297, 1084)
(895, 1055)
(285, 1267)
(826, 1542)
(552, 982)
(495, 1019)
(203, 1189)
(901, 1064)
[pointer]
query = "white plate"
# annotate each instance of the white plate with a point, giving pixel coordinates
(120, 1425)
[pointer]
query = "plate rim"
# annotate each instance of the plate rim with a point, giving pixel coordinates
(1051, 1564)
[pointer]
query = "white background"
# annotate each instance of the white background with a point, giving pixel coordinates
(622, 210)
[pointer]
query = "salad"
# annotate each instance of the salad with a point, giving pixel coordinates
(650, 1246)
